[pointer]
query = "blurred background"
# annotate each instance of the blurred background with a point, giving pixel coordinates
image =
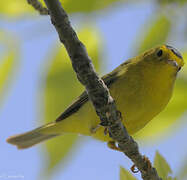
(37, 83)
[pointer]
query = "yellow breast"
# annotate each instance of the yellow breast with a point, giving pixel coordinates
(141, 96)
(140, 93)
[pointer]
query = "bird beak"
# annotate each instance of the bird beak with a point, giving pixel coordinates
(178, 61)
(175, 64)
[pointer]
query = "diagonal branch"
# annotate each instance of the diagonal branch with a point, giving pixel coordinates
(97, 90)
(38, 6)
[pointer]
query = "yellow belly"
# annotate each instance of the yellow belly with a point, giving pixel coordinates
(140, 105)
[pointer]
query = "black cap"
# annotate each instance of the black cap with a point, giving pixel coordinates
(175, 51)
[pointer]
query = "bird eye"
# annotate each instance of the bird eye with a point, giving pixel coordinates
(159, 53)
(179, 69)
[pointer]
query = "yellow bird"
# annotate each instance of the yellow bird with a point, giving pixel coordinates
(141, 87)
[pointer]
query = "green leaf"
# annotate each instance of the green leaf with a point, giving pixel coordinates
(60, 83)
(171, 178)
(87, 6)
(21, 7)
(8, 62)
(126, 175)
(162, 166)
(157, 33)
(12, 8)
(183, 73)
(62, 87)
(182, 174)
(174, 2)
(6, 67)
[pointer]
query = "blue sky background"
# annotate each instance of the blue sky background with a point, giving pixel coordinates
(20, 112)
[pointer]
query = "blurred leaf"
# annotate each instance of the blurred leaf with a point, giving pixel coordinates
(162, 166)
(183, 73)
(171, 178)
(8, 62)
(87, 6)
(181, 1)
(13, 8)
(164, 2)
(156, 34)
(182, 174)
(126, 175)
(6, 69)
(62, 87)
(60, 83)
(20, 7)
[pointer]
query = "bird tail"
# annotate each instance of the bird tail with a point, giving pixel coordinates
(28, 139)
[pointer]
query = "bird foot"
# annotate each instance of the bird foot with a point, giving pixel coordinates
(148, 163)
(93, 130)
(112, 145)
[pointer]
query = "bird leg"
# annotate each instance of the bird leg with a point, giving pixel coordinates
(112, 145)
(106, 131)
(93, 130)
(148, 162)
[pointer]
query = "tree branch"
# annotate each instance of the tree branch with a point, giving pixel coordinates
(38, 6)
(97, 90)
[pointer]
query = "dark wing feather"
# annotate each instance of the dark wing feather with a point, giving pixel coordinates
(74, 107)
(109, 79)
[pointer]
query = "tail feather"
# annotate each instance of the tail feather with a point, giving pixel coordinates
(28, 139)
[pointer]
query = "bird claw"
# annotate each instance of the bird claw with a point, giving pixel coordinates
(133, 169)
(148, 163)
(106, 131)
(93, 130)
(112, 145)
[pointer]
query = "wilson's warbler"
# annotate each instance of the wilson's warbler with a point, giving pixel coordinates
(141, 87)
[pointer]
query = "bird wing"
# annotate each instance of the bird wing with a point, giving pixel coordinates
(108, 79)
(74, 107)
